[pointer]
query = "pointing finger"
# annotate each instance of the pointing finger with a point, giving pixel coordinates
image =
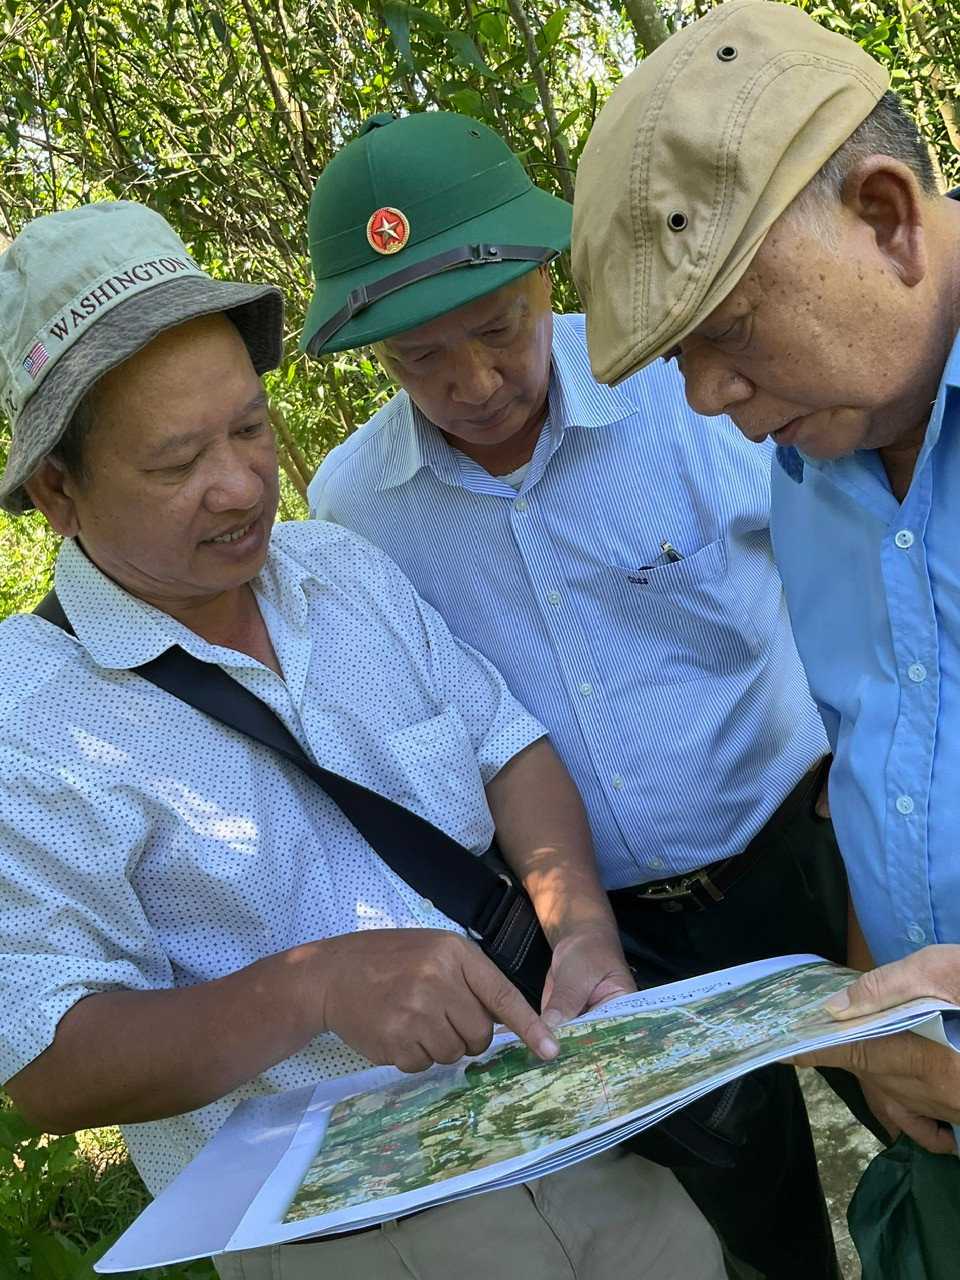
(505, 1004)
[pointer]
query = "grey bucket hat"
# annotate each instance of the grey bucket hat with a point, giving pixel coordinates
(82, 291)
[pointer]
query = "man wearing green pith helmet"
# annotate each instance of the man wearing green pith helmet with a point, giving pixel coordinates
(610, 553)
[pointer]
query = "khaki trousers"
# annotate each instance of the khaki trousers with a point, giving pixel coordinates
(613, 1217)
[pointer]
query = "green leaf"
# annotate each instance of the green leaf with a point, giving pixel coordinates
(467, 101)
(219, 26)
(512, 64)
(552, 29)
(396, 15)
(53, 1257)
(429, 21)
(568, 120)
(85, 1270)
(493, 29)
(196, 21)
(466, 52)
(8, 1259)
(14, 1129)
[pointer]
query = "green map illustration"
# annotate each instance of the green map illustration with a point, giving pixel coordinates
(458, 1119)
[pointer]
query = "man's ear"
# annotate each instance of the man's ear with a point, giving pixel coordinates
(547, 278)
(48, 491)
(887, 198)
(382, 353)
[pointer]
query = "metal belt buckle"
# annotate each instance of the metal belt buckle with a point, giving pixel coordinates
(686, 887)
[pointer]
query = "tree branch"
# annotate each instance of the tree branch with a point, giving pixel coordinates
(945, 104)
(297, 459)
(564, 172)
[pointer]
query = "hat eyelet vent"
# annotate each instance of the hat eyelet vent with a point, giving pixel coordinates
(677, 220)
(727, 52)
(474, 133)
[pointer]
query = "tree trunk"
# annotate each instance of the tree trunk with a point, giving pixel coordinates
(648, 22)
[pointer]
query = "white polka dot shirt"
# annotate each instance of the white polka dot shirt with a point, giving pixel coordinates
(146, 846)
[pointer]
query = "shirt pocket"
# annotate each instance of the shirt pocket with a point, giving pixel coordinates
(441, 778)
(688, 619)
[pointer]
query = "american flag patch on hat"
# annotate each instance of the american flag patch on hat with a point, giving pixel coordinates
(35, 359)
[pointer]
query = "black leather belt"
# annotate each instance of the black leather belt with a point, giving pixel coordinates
(698, 889)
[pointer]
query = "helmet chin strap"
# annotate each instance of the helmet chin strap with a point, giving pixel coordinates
(469, 255)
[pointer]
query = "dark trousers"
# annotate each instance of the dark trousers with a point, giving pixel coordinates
(769, 1209)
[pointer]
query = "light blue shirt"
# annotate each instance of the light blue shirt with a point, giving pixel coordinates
(874, 592)
(673, 694)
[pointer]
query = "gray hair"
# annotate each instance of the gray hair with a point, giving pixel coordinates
(888, 130)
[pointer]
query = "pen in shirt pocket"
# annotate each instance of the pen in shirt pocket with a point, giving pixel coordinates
(670, 553)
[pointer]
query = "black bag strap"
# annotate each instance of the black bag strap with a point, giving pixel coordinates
(461, 885)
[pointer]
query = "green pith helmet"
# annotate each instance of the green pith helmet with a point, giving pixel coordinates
(415, 217)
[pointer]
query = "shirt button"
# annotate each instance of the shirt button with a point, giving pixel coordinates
(904, 539)
(425, 904)
(617, 782)
(655, 864)
(520, 504)
(553, 597)
(916, 934)
(904, 804)
(586, 689)
(917, 672)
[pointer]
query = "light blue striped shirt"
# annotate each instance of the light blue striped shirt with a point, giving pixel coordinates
(674, 695)
(874, 587)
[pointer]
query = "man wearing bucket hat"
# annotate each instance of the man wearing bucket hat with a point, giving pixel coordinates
(756, 202)
(186, 920)
(609, 553)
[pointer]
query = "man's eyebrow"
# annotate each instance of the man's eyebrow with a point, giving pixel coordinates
(398, 346)
(259, 401)
(516, 307)
(186, 439)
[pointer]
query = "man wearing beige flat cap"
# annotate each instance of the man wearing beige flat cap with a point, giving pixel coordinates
(754, 201)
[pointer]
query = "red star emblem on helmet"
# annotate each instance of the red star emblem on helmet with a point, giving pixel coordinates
(388, 230)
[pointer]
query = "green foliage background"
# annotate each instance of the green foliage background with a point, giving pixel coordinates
(221, 114)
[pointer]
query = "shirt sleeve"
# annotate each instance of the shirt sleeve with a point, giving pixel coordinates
(497, 726)
(317, 493)
(70, 922)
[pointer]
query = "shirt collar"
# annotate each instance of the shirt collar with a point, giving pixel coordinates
(791, 462)
(948, 384)
(120, 631)
(414, 443)
(574, 400)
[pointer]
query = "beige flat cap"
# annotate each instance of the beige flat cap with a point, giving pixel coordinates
(693, 158)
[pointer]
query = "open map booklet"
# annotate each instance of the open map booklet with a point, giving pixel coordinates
(363, 1148)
